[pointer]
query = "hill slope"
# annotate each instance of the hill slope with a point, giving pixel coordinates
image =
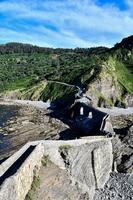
(106, 74)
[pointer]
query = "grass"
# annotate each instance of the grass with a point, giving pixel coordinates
(20, 84)
(35, 92)
(124, 76)
(36, 180)
(45, 160)
(34, 186)
(64, 149)
(101, 101)
(57, 92)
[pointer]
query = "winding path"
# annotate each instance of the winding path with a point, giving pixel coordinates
(80, 90)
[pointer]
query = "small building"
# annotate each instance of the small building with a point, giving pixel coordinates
(89, 120)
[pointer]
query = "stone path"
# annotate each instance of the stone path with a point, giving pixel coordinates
(118, 111)
(37, 104)
(56, 185)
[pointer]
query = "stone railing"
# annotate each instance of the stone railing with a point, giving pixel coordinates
(16, 186)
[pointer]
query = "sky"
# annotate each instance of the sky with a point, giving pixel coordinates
(66, 23)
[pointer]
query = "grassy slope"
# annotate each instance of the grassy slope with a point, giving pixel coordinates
(124, 68)
(21, 84)
(124, 77)
(122, 72)
(26, 71)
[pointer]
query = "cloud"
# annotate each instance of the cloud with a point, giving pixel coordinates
(9, 35)
(129, 2)
(65, 23)
(130, 6)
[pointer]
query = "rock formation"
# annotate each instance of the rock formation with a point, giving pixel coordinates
(96, 167)
(89, 165)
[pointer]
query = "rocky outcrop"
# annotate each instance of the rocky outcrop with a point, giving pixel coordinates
(123, 141)
(129, 100)
(107, 89)
(15, 94)
(90, 165)
(103, 90)
(20, 124)
(88, 161)
(125, 162)
(34, 93)
(126, 43)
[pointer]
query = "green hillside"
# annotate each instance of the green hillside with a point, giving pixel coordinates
(26, 68)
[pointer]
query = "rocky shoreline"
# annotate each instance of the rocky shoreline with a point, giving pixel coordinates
(27, 121)
(24, 121)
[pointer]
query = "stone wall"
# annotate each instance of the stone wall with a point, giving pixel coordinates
(90, 163)
(17, 186)
(5, 165)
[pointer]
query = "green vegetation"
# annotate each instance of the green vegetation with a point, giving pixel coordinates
(122, 70)
(101, 101)
(19, 84)
(64, 149)
(34, 92)
(26, 68)
(45, 161)
(34, 186)
(124, 76)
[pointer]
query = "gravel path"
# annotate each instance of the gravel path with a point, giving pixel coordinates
(37, 104)
(115, 111)
(118, 111)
